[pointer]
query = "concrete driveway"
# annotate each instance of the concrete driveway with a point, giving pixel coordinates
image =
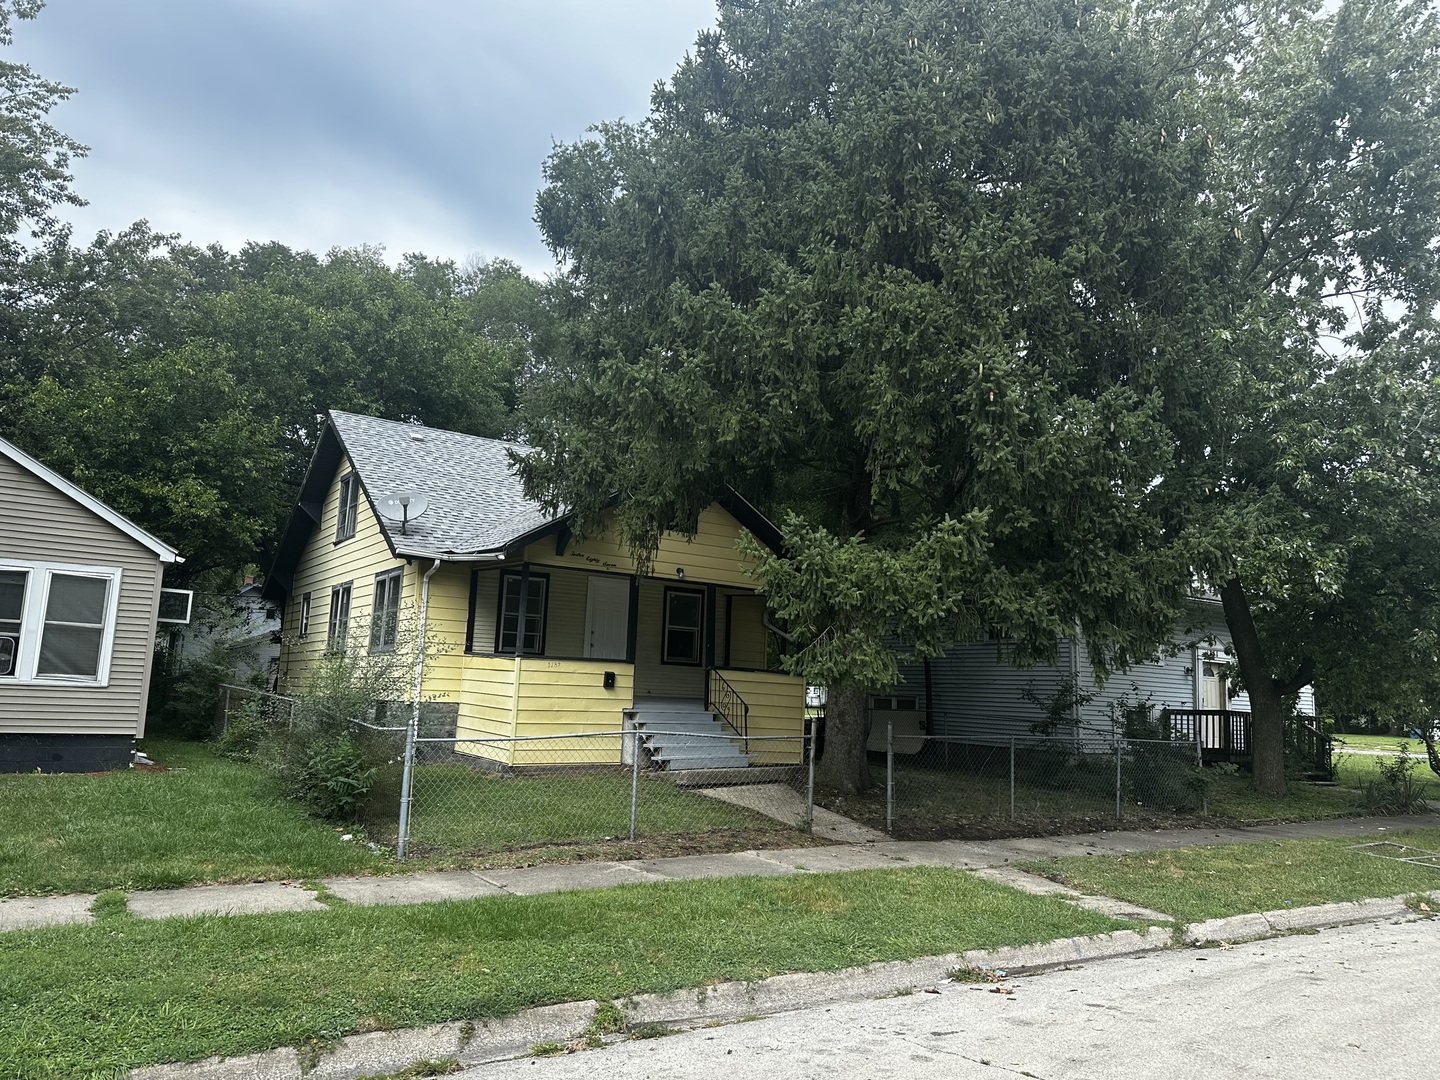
(1345, 1003)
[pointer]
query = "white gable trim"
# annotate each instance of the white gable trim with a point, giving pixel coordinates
(164, 551)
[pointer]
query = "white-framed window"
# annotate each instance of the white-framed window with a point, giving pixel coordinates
(508, 624)
(684, 619)
(349, 507)
(385, 611)
(339, 617)
(304, 627)
(57, 622)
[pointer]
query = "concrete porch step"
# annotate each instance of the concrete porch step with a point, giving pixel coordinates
(702, 778)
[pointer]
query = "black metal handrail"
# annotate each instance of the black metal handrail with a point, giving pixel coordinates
(725, 701)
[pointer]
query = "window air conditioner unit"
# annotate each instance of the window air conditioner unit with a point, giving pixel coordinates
(175, 607)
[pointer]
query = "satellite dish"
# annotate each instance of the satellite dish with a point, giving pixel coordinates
(403, 506)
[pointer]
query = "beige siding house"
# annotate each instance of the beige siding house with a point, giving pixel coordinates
(530, 630)
(79, 598)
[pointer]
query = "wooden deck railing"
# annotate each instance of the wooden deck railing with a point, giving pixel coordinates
(1225, 735)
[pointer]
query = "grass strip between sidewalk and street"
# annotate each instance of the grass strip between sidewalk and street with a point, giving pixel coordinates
(125, 992)
(1195, 884)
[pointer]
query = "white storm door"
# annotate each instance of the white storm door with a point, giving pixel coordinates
(1213, 693)
(607, 617)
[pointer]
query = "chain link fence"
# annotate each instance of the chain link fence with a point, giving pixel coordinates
(952, 788)
(439, 793)
(472, 796)
(270, 708)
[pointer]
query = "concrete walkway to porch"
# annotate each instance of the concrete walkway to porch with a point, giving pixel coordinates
(270, 896)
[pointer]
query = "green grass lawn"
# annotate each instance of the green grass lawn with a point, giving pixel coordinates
(1195, 884)
(212, 819)
(933, 803)
(125, 992)
(1354, 770)
(1379, 742)
(208, 819)
(458, 810)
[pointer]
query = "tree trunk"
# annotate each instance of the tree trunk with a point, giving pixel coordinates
(1431, 734)
(844, 767)
(1267, 694)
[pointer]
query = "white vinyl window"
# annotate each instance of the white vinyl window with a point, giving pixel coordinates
(57, 622)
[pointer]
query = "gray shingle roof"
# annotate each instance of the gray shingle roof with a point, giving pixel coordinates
(476, 502)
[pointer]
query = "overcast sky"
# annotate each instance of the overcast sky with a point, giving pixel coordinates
(420, 125)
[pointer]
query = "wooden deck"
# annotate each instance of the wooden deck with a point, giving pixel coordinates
(1225, 735)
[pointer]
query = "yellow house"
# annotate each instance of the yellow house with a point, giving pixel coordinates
(530, 629)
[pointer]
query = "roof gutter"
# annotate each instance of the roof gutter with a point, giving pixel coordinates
(445, 556)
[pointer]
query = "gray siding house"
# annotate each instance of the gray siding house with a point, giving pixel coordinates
(973, 693)
(79, 598)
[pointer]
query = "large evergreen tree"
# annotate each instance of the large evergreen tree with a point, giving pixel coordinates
(1026, 311)
(924, 274)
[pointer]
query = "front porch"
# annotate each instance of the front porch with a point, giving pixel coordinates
(553, 651)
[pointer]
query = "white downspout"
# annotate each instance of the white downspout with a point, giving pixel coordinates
(412, 730)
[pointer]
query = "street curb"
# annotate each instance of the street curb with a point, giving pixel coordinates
(484, 1041)
(1267, 923)
(481, 1042)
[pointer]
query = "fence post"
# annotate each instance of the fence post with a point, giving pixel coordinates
(407, 776)
(1200, 764)
(634, 776)
(1012, 777)
(889, 777)
(225, 711)
(1118, 744)
(810, 778)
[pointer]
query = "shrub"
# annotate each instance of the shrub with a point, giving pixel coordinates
(1397, 791)
(1059, 707)
(336, 778)
(318, 747)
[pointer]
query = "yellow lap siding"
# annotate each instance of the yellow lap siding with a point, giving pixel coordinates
(449, 604)
(533, 696)
(559, 697)
(709, 556)
(487, 705)
(326, 564)
(777, 707)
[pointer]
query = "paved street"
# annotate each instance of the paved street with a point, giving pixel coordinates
(1345, 1003)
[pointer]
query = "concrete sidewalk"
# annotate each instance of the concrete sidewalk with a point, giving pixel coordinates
(260, 897)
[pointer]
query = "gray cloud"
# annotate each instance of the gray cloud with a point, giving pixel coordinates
(320, 123)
